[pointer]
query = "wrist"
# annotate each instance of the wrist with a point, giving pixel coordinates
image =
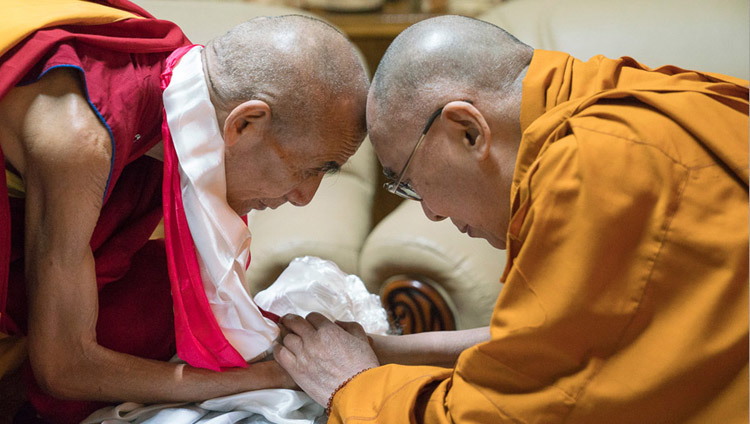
(329, 404)
(279, 377)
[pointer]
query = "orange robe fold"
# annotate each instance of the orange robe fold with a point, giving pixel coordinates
(22, 18)
(626, 287)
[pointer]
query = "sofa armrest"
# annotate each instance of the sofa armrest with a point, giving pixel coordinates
(464, 270)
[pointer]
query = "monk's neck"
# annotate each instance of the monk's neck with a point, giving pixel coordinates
(157, 152)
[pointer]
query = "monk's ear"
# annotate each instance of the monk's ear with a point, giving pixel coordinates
(465, 123)
(252, 117)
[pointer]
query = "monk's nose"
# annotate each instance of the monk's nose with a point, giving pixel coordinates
(304, 192)
(430, 214)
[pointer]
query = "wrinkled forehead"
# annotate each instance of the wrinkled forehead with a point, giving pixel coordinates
(331, 145)
(342, 146)
(346, 127)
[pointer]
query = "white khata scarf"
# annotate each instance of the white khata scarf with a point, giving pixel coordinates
(215, 308)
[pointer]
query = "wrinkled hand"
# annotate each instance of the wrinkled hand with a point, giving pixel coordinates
(320, 354)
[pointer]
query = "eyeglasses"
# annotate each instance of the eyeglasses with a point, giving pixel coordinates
(399, 187)
(404, 189)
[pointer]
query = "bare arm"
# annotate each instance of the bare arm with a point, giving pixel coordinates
(320, 354)
(440, 348)
(65, 161)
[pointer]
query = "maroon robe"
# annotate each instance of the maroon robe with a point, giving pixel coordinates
(120, 64)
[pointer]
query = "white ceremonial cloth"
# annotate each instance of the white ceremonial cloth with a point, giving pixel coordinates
(308, 284)
(222, 239)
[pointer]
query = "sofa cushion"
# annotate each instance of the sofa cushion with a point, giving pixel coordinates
(709, 36)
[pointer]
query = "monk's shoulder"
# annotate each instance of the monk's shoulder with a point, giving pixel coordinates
(51, 122)
(623, 128)
(602, 155)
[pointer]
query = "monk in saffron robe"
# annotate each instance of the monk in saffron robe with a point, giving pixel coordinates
(621, 195)
(82, 288)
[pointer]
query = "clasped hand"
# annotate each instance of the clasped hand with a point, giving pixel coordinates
(321, 354)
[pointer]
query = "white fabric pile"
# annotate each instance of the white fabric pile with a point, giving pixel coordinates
(308, 284)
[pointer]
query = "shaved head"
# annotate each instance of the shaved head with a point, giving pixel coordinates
(443, 115)
(439, 60)
(296, 64)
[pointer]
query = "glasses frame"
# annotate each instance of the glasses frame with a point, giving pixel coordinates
(400, 188)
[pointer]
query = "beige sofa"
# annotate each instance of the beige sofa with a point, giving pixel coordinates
(405, 246)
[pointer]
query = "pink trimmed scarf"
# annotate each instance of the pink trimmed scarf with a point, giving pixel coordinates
(200, 341)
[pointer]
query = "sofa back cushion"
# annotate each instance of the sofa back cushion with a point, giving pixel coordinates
(703, 35)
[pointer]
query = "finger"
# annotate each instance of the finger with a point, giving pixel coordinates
(353, 328)
(292, 342)
(350, 326)
(317, 320)
(283, 331)
(284, 357)
(297, 325)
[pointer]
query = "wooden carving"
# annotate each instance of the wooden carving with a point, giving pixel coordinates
(415, 306)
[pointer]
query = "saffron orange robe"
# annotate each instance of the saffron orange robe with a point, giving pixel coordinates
(626, 287)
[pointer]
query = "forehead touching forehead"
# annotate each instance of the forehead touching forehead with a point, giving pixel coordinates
(394, 128)
(386, 118)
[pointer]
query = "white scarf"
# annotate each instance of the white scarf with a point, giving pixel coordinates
(222, 239)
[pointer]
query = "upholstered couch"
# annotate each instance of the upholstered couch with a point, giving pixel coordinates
(406, 247)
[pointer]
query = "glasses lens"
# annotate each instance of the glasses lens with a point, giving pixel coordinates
(403, 190)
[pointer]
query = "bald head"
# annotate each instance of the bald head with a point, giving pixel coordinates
(296, 64)
(443, 59)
